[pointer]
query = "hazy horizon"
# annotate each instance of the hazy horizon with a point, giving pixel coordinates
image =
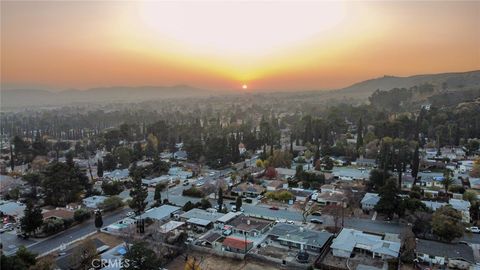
(227, 91)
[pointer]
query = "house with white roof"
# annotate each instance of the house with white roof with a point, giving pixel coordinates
(163, 212)
(157, 180)
(180, 155)
(117, 175)
(94, 201)
(460, 205)
(350, 240)
(285, 173)
(369, 201)
(12, 209)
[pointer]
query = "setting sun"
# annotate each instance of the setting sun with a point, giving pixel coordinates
(244, 86)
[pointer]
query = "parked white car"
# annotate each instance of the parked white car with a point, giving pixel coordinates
(473, 229)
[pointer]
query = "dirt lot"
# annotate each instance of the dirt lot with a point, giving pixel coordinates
(212, 262)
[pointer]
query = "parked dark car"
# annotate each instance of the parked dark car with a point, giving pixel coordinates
(316, 221)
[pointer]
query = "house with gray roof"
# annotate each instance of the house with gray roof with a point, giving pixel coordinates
(200, 219)
(157, 180)
(12, 209)
(180, 155)
(163, 212)
(94, 201)
(460, 205)
(117, 175)
(369, 201)
(442, 253)
(350, 240)
(299, 237)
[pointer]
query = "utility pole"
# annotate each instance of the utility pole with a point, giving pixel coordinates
(245, 234)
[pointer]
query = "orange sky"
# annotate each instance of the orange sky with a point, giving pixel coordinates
(222, 45)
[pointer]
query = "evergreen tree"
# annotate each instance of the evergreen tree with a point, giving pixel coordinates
(100, 168)
(138, 194)
(69, 159)
(359, 134)
(389, 199)
(158, 194)
(447, 180)
(220, 199)
(415, 164)
(12, 160)
(32, 219)
(238, 203)
(98, 220)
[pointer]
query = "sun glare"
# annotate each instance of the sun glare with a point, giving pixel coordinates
(244, 86)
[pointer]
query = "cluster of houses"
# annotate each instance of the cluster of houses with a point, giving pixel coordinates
(235, 234)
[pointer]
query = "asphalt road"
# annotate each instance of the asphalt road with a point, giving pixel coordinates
(72, 233)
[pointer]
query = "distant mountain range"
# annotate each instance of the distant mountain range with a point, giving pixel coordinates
(451, 81)
(35, 97)
(30, 97)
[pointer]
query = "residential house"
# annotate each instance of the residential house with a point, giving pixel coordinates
(466, 166)
(365, 162)
(179, 173)
(248, 190)
(296, 236)
(350, 240)
(331, 198)
(460, 205)
(157, 180)
(430, 153)
(236, 245)
(161, 213)
(433, 252)
(407, 181)
(199, 219)
(463, 207)
(59, 213)
(226, 218)
(431, 181)
(328, 188)
(301, 195)
(369, 201)
(94, 202)
(166, 155)
(12, 209)
(171, 226)
(210, 239)
(117, 175)
(250, 225)
(274, 185)
(180, 155)
(474, 183)
(285, 173)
